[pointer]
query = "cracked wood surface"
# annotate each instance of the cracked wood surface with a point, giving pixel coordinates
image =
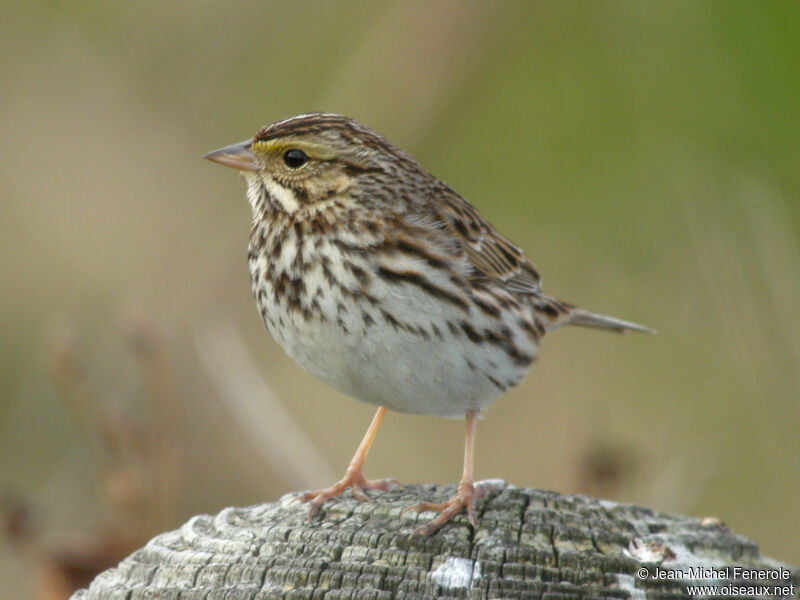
(528, 544)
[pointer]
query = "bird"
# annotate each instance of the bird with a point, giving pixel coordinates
(382, 281)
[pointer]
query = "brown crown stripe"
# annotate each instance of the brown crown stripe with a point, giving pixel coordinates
(312, 124)
(419, 280)
(294, 126)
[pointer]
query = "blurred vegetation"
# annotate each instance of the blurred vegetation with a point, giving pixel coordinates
(645, 155)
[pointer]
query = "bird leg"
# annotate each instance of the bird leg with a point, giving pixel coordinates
(465, 494)
(354, 476)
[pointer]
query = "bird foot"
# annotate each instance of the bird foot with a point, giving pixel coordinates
(352, 479)
(463, 500)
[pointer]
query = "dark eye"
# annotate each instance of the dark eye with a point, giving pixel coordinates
(294, 158)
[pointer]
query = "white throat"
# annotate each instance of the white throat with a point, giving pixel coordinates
(257, 184)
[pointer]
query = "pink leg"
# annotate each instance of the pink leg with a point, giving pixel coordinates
(464, 498)
(354, 476)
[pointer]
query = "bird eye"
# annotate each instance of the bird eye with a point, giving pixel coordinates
(294, 158)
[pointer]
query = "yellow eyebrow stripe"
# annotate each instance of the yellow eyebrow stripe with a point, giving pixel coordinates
(317, 151)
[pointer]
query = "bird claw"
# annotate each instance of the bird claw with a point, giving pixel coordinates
(462, 501)
(357, 484)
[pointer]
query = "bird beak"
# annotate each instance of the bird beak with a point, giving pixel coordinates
(237, 156)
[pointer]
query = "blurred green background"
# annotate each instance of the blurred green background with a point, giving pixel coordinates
(646, 156)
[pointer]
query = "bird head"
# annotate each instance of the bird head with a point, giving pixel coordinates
(307, 159)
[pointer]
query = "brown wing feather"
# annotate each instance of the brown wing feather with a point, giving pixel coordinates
(490, 254)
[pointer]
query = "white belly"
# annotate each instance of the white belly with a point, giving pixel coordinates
(391, 368)
(411, 362)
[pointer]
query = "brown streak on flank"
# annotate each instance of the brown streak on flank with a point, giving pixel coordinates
(459, 281)
(279, 285)
(485, 307)
(359, 274)
(298, 263)
(298, 231)
(504, 301)
(389, 318)
(502, 340)
(347, 247)
(418, 251)
(306, 312)
(540, 329)
(327, 273)
(528, 326)
(341, 324)
(399, 325)
(495, 338)
(316, 227)
(549, 310)
(356, 294)
(298, 287)
(453, 328)
(472, 333)
(293, 303)
(417, 279)
(521, 359)
(494, 382)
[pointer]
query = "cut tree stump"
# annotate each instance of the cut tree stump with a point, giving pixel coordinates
(528, 544)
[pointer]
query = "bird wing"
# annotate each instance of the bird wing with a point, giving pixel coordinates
(489, 254)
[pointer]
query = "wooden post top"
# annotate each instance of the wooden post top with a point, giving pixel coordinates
(528, 544)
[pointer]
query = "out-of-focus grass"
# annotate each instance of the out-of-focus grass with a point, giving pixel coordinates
(644, 155)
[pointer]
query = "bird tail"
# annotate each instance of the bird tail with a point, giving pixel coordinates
(584, 318)
(555, 313)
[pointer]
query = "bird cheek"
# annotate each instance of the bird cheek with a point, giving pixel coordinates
(341, 183)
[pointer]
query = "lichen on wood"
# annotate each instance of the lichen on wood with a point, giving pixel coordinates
(528, 544)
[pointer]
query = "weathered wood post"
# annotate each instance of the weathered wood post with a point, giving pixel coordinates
(528, 544)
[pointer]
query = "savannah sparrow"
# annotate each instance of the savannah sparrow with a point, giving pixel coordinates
(385, 283)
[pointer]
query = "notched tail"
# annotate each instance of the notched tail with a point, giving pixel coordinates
(584, 318)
